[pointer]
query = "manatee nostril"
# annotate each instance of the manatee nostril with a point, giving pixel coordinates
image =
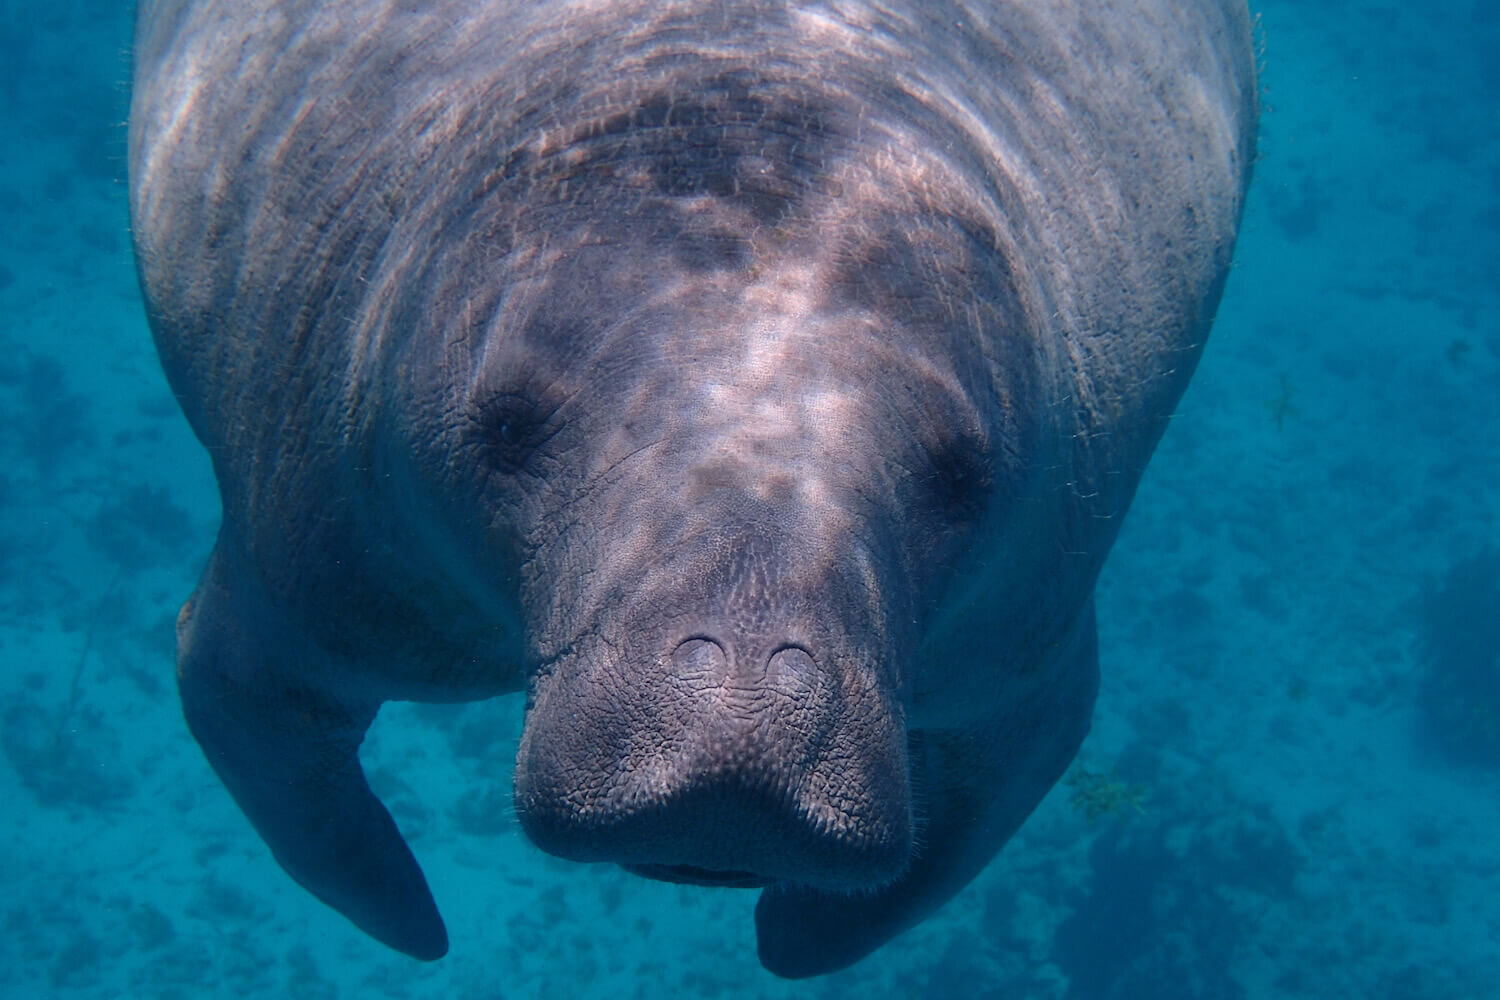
(700, 657)
(792, 661)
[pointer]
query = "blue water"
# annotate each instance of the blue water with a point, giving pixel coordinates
(1300, 625)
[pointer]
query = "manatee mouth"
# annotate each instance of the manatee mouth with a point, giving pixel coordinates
(692, 875)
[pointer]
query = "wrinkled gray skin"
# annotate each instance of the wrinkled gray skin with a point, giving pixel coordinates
(757, 386)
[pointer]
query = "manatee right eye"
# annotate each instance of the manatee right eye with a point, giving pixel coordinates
(511, 428)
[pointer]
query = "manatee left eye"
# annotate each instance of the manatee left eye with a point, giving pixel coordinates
(960, 479)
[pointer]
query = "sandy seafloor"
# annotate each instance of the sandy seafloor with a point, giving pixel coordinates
(1303, 829)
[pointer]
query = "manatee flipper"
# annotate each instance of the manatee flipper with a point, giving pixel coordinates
(978, 784)
(289, 754)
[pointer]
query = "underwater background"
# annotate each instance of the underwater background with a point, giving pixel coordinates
(1292, 788)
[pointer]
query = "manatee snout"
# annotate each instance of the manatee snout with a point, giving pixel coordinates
(737, 740)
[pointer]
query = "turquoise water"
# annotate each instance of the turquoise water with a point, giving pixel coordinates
(1297, 730)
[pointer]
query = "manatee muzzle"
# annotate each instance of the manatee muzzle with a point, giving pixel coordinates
(728, 757)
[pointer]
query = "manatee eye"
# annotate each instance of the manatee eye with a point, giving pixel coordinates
(512, 432)
(960, 477)
(511, 427)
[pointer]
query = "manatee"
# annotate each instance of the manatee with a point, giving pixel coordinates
(757, 386)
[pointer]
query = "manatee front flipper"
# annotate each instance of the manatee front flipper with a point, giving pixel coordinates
(289, 754)
(978, 785)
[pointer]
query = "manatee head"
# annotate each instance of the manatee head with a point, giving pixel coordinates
(725, 425)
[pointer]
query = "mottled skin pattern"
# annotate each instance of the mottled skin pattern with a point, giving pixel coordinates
(758, 386)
